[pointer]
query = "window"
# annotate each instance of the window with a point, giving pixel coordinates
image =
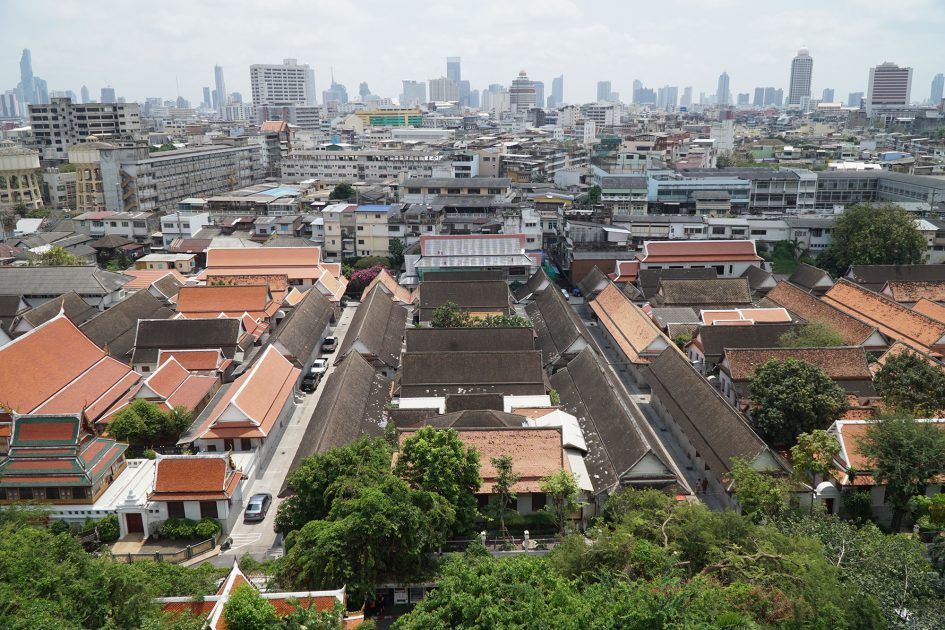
(52, 493)
(124, 224)
(211, 448)
(175, 509)
(208, 509)
(759, 232)
(246, 444)
(718, 230)
(228, 444)
(539, 501)
(360, 228)
(360, 241)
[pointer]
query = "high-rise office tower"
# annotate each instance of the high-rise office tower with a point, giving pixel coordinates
(557, 91)
(220, 87)
(686, 100)
(759, 99)
(722, 92)
(9, 105)
(235, 97)
(743, 99)
(603, 91)
(539, 93)
(363, 90)
(85, 94)
(288, 83)
(889, 86)
(27, 86)
(207, 99)
(827, 96)
(855, 99)
(336, 94)
(774, 97)
(637, 85)
(108, 95)
(474, 98)
(522, 93)
(454, 69)
(938, 87)
(444, 89)
(802, 69)
(666, 98)
(414, 93)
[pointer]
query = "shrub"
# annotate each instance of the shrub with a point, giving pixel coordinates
(108, 528)
(856, 505)
(59, 527)
(149, 453)
(206, 528)
(178, 528)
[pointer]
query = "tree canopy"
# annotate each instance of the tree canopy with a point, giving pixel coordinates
(811, 335)
(791, 397)
(449, 315)
(911, 384)
(143, 422)
(56, 257)
(873, 234)
(343, 190)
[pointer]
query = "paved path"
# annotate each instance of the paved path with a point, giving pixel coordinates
(259, 539)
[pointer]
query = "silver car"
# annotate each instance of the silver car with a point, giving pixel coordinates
(257, 507)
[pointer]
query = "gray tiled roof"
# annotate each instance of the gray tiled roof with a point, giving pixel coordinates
(84, 280)
(116, 327)
(377, 326)
(557, 326)
(425, 374)
(300, 333)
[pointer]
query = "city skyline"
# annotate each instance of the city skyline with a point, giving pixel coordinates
(591, 45)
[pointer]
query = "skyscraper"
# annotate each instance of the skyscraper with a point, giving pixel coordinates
(414, 93)
(666, 98)
(855, 99)
(938, 86)
(686, 100)
(363, 90)
(759, 100)
(743, 99)
(827, 96)
(721, 94)
(85, 94)
(557, 92)
(522, 93)
(539, 93)
(108, 95)
(207, 99)
(288, 83)
(220, 86)
(336, 94)
(454, 69)
(802, 69)
(444, 89)
(603, 91)
(30, 89)
(889, 86)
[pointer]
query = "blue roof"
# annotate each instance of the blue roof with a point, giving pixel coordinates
(373, 209)
(281, 191)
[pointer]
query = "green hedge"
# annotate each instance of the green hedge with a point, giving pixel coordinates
(108, 528)
(185, 528)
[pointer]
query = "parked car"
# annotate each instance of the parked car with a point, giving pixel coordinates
(257, 507)
(330, 344)
(315, 374)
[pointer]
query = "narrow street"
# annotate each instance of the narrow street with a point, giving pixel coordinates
(259, 539)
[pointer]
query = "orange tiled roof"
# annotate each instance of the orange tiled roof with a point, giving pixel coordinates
(698, 251)
(892, 319)
(143, 278)
(842, 363)
(636, 334)
(194, 478)
(399, 293)
(809, 308)
(902, 291)
(194, 360)
(278, 283)
(263, 257)
(930, 309)
(210, 301)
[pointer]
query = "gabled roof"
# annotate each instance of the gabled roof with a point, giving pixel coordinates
(114, 329)
(401, 294)
(278, 283)
(909, 291)
(238, 257)
(211, 300)
(715, 429)
(144, 278)
(250, 405)
(649, 279)
(184, 334)
(560, 331)
(851, 434)
(351, 405)
(759, 280)
(376, 330)
(84, 280)
(538, 281)
(811, 309)
(930, 309)
(475, 419)
(844, 363)
(203, 477)
(811, 279)
(892, 319)
(472, 245)
(298, 335)
(56, 369)
(661, 252)
(474, 296)
(704, 292)
(712, 340)
(593, 282)
(426, 374)
(873, 277)
(469, 339)
(70, 303)
(618, 439)
(633, 331)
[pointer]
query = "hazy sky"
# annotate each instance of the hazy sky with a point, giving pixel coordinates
(141, 48)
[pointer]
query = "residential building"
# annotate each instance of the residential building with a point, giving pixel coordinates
(426, 189)
(938, 87)
(522, 93)
(827, 96)
(444, 90)
(399, 117)
(889, 87)
(376, 332)
(38, 285)
(134, 226)
(559, 332)
(557, 92)
(802, 68)
(415, 93)
(219, 92)
(723, 93)
(353, 165)
(289, 83)
(58, 188)
(730, 259)
(855, 99)
(61, 124)
(500, 252)
(20, 178)
(182, 225)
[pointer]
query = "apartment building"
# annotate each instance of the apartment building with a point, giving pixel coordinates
(359, 165)
(61, 123)
(842, 188)
(135, 226)
(424, 189)
(286, 83)
(182, 225)
(355, 231)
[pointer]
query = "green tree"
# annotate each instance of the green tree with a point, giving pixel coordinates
(325, 477)
(380, 532)
(911, 383)
(791, 397)
(118, 262)
(811, 335)
(905, 456)
(366, 262)
(761, 495)
(395, 247)
(343, 190)
(501, 321)
(246, 609)
(302, 618)
(436, 460)
(56, 257)
(505, 478)
(563, 497)
(594, 195)
(449, 315)
(143, 422)
(682, 339)
(812, 458)
(873, 234)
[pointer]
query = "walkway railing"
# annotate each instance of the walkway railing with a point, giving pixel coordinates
(175, 557)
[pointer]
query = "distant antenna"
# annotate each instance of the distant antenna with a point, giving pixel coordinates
(177, 80)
